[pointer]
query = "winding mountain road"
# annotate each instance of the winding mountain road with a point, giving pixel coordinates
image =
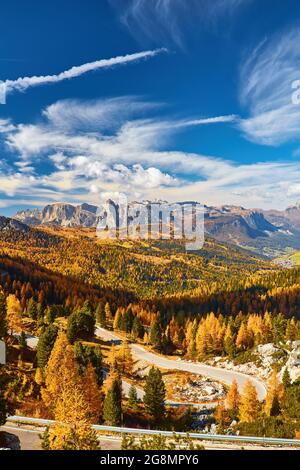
(216, 373)
(140, 353)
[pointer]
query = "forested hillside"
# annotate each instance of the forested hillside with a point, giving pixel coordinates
(146, 269)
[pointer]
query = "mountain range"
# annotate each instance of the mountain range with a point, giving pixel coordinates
(266, 232)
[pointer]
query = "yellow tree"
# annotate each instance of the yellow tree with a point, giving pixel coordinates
(146, 338)
(233, 399)
(108, 313)
(13, 315)
(61, 369)
(113, 359)
(229, 341)
(267, 328)
(190, 345)
(275, 396)
(74, 401)
(243, 340)
(221, 414)
(39, 377)
(125, 359)
(249, 404)
(117, 318)
(202, 339)
(93, 395)
(72, 430)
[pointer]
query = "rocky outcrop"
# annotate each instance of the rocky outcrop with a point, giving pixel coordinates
(60, 214)
(266, 356)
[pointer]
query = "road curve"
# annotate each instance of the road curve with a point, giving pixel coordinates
(216, 373)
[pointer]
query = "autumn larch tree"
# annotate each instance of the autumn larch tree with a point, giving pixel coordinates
(108, 312)
(93, 395)
(221, 416)
(233, 400)
(74, 407)
(13, 315)
(249, 404)
(275, 395)
(125, 359)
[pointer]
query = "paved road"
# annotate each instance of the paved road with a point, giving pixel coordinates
(17, 428)
(140, 353)
(222, 375)
(28, 439)
(32, 341)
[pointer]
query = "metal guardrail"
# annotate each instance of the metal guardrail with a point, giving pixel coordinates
(150, 432)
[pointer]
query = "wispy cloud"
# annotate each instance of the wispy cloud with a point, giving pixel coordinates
(132, 158)
(93, 115)
(125, 156)
(165, 20)
(266, 90)
(6, 126)
(23, 83)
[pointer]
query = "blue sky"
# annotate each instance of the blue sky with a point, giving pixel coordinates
(169, 99)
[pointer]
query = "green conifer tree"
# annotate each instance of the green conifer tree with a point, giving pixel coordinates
(112, 408)
(155, 393)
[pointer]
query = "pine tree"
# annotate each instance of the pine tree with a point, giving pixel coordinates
(133, 398)
(137, 328)
(112, 409)
(286, 379)
(45, 345)
(31, 309)
(249, 404)
(100, 315)
(81, 325)
(156, 334)
(155, 393)
(22, 340)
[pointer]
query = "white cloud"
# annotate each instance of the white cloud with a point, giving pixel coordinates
(6, 126)
(266, 90)
(133, 158)
(97, 115)
(164, 20)
(23, 83)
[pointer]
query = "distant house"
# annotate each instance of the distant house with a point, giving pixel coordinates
(2, 353)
